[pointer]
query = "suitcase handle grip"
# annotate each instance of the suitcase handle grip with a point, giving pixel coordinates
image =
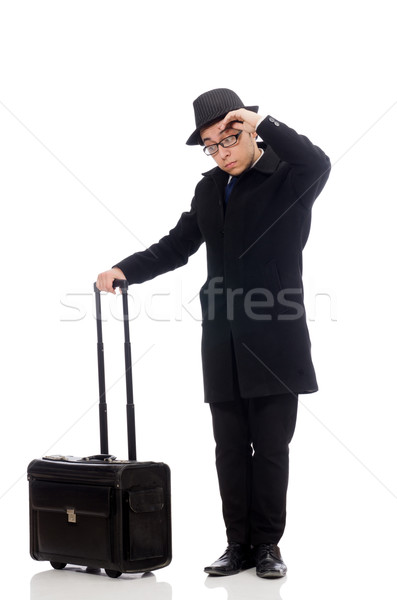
(100, 457)
(120, 283)
(117, 283)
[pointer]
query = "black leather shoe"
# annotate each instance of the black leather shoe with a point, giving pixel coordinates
(269, 563)
(236, 558)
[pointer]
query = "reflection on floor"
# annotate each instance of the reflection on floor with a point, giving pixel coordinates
(76, 582)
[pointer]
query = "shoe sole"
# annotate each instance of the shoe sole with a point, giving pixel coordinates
(271, 574)
(214, 571)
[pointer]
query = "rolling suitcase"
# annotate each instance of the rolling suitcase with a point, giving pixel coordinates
(98, 511)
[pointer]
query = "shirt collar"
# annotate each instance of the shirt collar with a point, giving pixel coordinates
(268, 162)
(261, 150)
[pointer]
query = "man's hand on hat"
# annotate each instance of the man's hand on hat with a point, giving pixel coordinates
(242, 119)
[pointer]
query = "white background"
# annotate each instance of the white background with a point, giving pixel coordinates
(95, 108)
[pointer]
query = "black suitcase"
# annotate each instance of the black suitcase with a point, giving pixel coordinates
(98, 511)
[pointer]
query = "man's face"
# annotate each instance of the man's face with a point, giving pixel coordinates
(235, 159)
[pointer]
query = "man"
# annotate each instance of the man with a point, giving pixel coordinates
(253, 211)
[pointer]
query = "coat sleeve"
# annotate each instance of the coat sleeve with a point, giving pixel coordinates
(310, 165)
(171, 252)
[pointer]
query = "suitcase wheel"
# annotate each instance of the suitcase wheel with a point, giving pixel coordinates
(57, 565)
(111, 573)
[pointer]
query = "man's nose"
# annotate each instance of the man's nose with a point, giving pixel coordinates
(223, 152)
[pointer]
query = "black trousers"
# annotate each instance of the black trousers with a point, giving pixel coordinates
(252, 459)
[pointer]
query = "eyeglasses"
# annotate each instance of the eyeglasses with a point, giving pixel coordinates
(228, 141)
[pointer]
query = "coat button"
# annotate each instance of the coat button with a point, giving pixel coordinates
(277, 124)
(271, 119)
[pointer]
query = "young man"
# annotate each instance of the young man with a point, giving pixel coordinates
(253, 211)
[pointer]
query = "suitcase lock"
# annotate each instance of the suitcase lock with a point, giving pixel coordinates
(72, 517)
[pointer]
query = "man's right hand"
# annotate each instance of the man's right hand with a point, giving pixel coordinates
(105, 280)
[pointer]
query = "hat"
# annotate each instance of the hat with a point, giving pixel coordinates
(212, 106)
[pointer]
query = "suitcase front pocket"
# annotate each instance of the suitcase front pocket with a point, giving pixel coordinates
(147, 523)
(71, 520)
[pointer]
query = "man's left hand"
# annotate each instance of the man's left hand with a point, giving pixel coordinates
(242, 119)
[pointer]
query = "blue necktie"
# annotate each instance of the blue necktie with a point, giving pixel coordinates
(229, 188)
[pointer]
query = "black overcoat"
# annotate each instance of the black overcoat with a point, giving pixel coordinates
(255, 337)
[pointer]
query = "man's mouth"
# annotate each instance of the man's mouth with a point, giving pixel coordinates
(230, 165)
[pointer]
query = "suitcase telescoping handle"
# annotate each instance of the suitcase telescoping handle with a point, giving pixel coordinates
(103, 423)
